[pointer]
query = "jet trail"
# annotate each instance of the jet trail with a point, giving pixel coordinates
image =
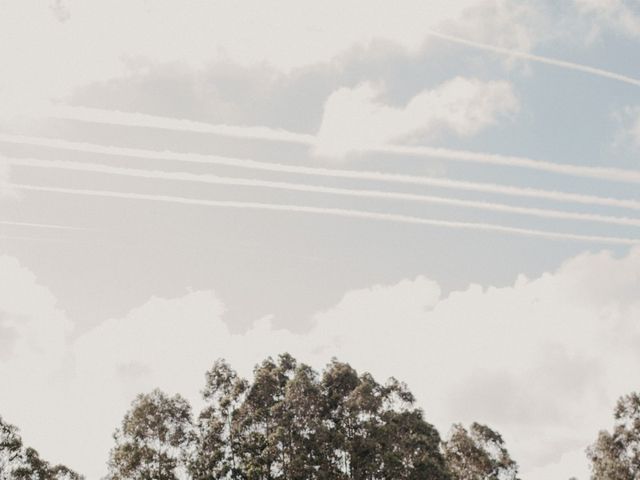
(601, 173)
(301, 187)
(265, 133)
(39, 225)
(36, 239)
(389, 217)
(536, 58)
(128, 119)
(322, 172)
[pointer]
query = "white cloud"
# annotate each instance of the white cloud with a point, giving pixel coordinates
(621, 16)
(49, 50)
(542, 360)
(357, 118)
(32, 324)
(628, 133)
(33, 346)
(501, 23)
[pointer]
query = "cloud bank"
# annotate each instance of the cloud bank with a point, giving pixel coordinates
(49, 50)
(543, 360)
(357, 119)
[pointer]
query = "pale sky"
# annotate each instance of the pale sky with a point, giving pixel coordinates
(442, 191)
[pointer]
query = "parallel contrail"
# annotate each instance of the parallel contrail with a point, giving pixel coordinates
(322, 172)
(39, 225)
(601, 173)
(307, 188)
(129, 119)
(536, 58)
(389, 217)
(265, 133)
(36, 239)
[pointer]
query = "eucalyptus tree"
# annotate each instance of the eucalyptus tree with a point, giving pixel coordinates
(478, 454)
(24, 463)
(290, 422)
(375, 431)
(410, 448)
(259, 420)
(10, 449)
(153, 440)
(215, 450)
(616, 455)
(301, 432)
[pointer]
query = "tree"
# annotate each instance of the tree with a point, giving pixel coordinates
(290, 423)
(374, 431)
(339, 380)
(10, 449)
(20, 463)
(410, 447)
(215, 448)
(478, 454)
(300, 431)
(258, 421)
(616, 455)
(153, 439)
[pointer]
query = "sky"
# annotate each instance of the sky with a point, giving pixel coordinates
(444, 192)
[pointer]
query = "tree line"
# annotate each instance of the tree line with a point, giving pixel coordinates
(291, 422)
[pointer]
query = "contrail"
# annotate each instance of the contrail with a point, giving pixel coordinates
(114, 117)
(301, 187)
(265, 133)
(389, 217)
(39, 225)
(322, 172)
(34, 239)
(536, 58)
(601, 173)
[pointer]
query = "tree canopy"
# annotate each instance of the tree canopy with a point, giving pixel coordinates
(616, 455)
(478, 454)
(290, 422)
(151, 443)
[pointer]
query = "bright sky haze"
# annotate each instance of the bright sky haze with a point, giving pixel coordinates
(442, 191)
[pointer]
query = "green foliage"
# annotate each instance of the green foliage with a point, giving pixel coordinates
(616, 455)
(20, 463)
(291, 423)
(151, 443)
(215, 443)
(288, 423)
(478, 454)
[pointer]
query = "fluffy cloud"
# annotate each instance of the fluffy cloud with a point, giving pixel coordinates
(543, 360)
(619, 15)
(33, 347)
(357, 118)
(50, 50)
(628, 133)
(31, 325)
